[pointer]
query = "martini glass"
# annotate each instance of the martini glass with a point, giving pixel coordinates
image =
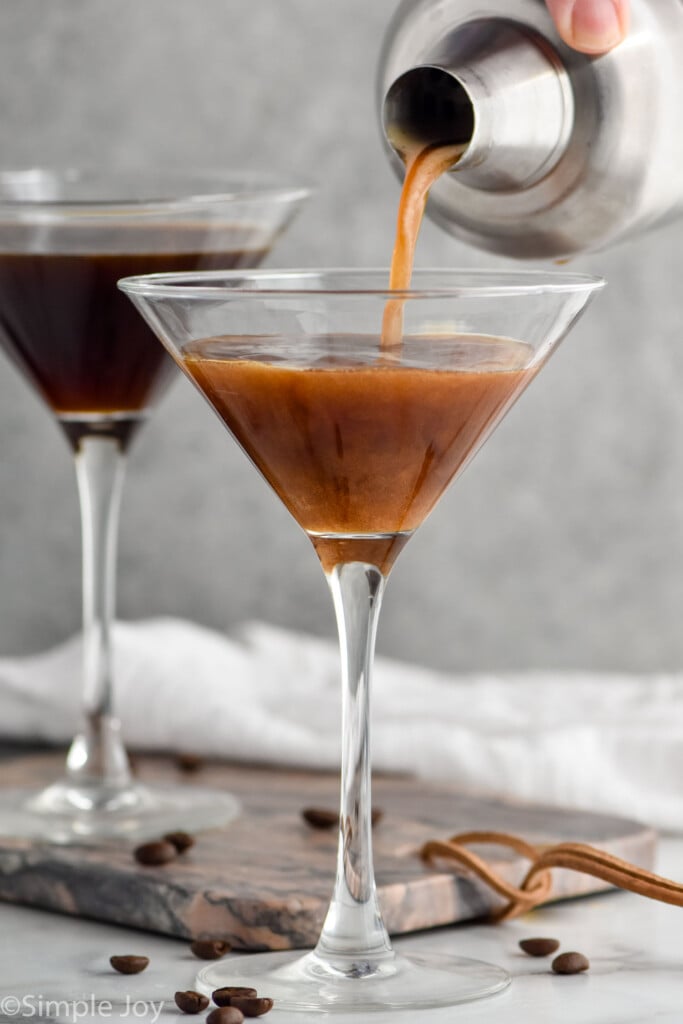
(359, 436)
(65, 239)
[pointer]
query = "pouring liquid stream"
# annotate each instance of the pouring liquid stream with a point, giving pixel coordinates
(423, 167)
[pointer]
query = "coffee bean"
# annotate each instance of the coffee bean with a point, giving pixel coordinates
(223, 996)
(155, 853)
(539, 947)
(191, 1002)
(320, 817)
(324, 818)
(225, 1015)
(129, 964)
(210, 949)
(570, 963)
(189, 763)
(251, 1006)
(181, 840)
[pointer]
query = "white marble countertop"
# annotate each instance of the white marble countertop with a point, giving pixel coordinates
(635, 947)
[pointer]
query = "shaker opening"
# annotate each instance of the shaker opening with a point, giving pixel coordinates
(427, 105)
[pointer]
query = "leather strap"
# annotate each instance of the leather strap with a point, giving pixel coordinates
(536, 887)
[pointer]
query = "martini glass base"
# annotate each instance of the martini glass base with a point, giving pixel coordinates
(69, 812)
(406, 982)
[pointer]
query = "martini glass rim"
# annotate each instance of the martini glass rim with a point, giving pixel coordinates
(456, 283)
(136, 189)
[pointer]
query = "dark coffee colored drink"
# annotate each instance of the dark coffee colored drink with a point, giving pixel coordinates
(79, 340)
(357, 446)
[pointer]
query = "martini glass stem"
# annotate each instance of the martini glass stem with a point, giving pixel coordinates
(354, 940)
(97, 756)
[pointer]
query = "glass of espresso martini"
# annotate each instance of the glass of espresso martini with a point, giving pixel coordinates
(65, 240)
(359, 405)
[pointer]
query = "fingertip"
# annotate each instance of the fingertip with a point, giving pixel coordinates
(591, 26)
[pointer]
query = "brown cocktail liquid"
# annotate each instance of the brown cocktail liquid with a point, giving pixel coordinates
(423, 167)
(360, 448)
(79, 340)
(360, 435)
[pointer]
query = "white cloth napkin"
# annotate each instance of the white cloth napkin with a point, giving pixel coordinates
(612, 743)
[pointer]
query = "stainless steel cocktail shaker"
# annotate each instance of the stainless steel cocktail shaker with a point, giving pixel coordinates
(563, 153)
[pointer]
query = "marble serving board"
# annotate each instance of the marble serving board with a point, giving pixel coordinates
(264, 881)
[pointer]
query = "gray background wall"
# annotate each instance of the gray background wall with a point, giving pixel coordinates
(562, 545)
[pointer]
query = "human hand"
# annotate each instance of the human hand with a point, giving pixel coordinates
(591, 26)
